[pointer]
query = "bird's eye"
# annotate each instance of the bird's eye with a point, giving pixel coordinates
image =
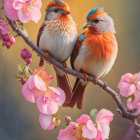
(96, 20)
(56, 10)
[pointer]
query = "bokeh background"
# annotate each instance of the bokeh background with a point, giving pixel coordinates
(19, 118)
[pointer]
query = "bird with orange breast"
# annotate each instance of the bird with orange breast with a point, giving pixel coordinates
(57, 37)
(95, 51)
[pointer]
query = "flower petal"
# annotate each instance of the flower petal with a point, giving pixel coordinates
(106, 115)
(24, 17)
(45, 121)
(104, 128)
(83, 119)
(39, 83)
(28, 93)
(60, 94)
(35, 14)
(10, 12)
(46, 106)
(89, 133)
(126, 89)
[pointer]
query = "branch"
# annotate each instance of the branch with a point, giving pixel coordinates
(123, 111)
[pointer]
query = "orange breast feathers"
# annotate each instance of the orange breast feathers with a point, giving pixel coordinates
(101, 46)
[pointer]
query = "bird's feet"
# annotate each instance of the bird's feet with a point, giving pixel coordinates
(85, 75)
(64, 64)
(47, 55)
(95, 80)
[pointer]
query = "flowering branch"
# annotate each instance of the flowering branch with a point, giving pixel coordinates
(122, 110)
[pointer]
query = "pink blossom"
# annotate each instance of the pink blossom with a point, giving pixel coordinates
(129, 84)
(33, 88)
(103, 119)
(46, 122)
(24, 10)
(4, 29)
(85, 128)
(52, 99)
(36, 89)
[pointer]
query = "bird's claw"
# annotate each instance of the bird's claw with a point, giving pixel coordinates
(64, 64)
(47, 55)
(95, 80)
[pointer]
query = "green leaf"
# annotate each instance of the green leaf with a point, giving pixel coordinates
(23, 69)
(93, 113)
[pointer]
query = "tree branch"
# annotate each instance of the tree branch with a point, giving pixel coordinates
(123, 111)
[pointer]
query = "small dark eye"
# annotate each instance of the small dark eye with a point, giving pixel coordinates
(96, 20)
(56, 10)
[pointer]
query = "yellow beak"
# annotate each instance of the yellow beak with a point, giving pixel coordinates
(86, 25)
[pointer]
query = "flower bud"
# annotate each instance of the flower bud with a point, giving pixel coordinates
(5, 37)
(28, 60)
(68, 119)
(12, 40)
(8, 45)
(29, 54)
(23, 81)
(57, 122)
(24, 53)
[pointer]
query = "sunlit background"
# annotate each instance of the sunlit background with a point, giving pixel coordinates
(19, 118)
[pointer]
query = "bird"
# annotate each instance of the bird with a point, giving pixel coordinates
(57, 37)
(94, 53)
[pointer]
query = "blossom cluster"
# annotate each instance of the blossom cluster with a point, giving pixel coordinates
(86, 128)
(129, 86)
(7, 39)
(26, 55)
(23, 10)
(48, 99)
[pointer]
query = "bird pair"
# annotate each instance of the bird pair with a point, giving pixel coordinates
(94, 52)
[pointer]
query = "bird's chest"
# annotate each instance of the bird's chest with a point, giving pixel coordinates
(58, 42)
(97, 54)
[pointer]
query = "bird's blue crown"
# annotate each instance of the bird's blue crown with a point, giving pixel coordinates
(93, 11)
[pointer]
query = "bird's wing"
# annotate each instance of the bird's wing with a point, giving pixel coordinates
(39, 33)
(77, 48)
(41, 63)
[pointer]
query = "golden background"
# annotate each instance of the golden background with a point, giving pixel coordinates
(19, 118)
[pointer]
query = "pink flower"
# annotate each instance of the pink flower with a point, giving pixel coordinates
(129, 84)
(36, 89)
(33, 88)
(103, 119)
(88, 130)
(24, 10)
(4, 29)
(46, 122)
(52, 99)
(85, 128)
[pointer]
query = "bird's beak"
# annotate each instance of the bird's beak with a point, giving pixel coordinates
(86, 25)
(66, 12)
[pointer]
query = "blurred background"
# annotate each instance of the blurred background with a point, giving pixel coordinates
(19, 118)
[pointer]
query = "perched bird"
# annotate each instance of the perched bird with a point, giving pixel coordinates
(95, 51)
(57, 37)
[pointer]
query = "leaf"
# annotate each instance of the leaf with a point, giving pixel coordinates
(23, 69)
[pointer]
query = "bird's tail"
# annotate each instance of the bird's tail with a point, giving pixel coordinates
(64, 83)
(78, 94)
